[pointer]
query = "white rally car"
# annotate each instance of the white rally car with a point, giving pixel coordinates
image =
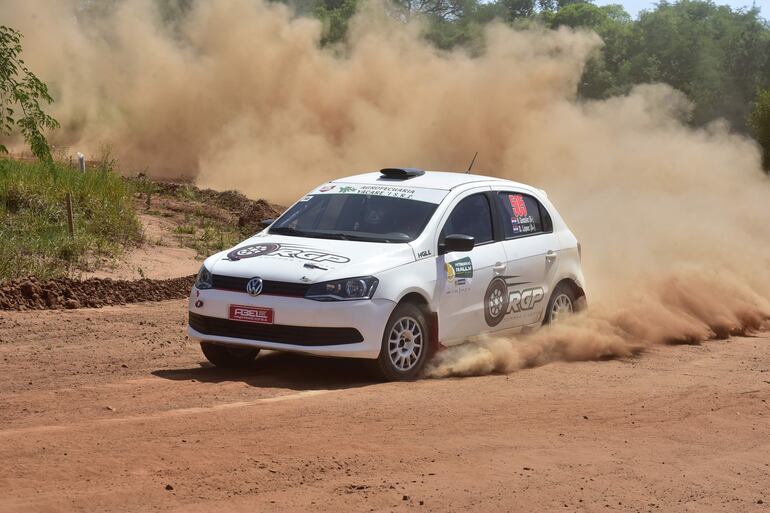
(388, 267)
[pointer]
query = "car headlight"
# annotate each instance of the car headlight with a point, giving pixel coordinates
(343, 290)
(204, 280)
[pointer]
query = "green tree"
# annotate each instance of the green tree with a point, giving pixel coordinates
(335, 15)
(759, 122)
(606, 72)
(519, 8)
(22, 91)
(715, 55)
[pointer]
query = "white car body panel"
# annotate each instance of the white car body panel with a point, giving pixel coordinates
(457, 298)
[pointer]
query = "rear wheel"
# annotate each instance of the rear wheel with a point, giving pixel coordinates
(231, 357)
(561, 304)
(405, 345)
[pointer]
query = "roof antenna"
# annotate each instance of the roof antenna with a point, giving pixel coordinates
(472, 162)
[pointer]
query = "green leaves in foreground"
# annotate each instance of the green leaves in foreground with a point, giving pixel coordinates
(21, 93)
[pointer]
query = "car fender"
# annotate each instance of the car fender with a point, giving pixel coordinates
(416, 277)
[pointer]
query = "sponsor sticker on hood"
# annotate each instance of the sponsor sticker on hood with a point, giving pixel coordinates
(276, 250)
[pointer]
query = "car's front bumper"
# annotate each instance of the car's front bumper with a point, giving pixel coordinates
(325, 328)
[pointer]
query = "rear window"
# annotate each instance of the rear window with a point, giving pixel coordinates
(522, 215)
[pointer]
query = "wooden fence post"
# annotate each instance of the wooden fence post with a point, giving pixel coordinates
(70, 216)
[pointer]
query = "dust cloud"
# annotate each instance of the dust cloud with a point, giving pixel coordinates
(238, 94)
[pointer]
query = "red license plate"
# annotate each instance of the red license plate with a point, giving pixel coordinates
(251, 314)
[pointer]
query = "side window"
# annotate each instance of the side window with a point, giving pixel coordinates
(472, 216)
(522, 215)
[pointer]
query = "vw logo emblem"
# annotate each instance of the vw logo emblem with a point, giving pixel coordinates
(254, 286)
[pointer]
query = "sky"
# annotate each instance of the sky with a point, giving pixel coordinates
(634, 6)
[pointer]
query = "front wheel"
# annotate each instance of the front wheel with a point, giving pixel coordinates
(561, 304)
(405, 345)
(230, 357)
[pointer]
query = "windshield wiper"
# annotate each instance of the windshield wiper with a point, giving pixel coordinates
(360, 238)
(333, 235)
(288, 230)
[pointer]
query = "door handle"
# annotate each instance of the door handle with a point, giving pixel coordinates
(551, 255)
(499, 267)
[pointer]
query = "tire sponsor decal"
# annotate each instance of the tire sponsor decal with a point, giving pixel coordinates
(273, 249)
(503, 298)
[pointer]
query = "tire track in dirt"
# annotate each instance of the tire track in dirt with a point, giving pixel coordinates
(179, 412)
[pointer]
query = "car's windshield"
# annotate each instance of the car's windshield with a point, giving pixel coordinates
(361, 217)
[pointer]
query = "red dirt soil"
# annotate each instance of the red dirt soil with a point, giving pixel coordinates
(32, 294)
(115, 410)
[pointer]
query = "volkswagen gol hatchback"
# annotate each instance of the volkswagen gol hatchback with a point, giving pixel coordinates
(387, 267)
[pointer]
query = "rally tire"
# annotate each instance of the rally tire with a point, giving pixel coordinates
(562, 303)
(496, 302)
(229, 357)
(405, 345)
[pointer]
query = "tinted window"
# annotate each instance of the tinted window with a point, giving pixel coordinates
(356, 217)
(522, 215)
(472, 216)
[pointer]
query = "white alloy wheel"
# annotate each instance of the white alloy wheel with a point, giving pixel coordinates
(405, 343)
(562, 307)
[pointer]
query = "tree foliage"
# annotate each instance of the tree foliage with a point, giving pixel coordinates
(21, 93)
(759, 122)
(718, 56)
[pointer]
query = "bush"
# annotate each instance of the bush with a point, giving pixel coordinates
(34, 238)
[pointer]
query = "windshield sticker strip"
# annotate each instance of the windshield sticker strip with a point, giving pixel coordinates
(392, 191)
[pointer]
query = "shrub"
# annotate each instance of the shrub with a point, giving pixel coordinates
(34, 237)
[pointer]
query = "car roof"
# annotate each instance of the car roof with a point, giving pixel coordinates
(442, 180)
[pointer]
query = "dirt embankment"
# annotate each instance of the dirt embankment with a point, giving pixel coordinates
(32, 294)
(227, 205)
(182, 224)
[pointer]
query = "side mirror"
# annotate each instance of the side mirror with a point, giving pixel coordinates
(267, 222)
(456, 242)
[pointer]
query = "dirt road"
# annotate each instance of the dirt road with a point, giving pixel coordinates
(113, 410)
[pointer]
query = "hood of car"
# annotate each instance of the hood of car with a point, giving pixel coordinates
(307, 260)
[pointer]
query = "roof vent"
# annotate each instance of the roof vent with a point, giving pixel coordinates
(401, 173)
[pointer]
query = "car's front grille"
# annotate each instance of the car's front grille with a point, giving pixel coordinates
(271, 288)
(283, 334)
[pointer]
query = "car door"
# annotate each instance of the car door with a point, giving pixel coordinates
(531, 252)
(464, 276)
